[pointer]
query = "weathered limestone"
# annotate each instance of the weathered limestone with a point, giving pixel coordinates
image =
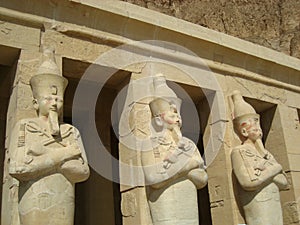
(19, 36)
(272, 24)
(259, 175)
(174, 168)
(172, 165)
(46, 156)
(20, 107)
(77, 30)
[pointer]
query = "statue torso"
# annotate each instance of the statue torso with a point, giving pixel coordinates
(175, 203)
(49, 198)
(261, 206)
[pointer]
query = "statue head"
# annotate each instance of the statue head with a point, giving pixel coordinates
(48, 88)
(48, 92)
(165, 112)
(246, 121)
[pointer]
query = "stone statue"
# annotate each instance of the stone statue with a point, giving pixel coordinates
(47, 156)
(259, 175)
(173, 168)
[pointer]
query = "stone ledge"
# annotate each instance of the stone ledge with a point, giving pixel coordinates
(177, 25)
(279, 62)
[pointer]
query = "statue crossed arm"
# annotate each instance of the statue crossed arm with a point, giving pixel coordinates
(260, 176)
(46, 156)
(175, 164)
(34, 158)
(173, 168)
(254, 172)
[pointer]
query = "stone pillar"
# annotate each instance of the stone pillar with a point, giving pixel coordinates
(20, 107)
(134, 205)
(283, 141)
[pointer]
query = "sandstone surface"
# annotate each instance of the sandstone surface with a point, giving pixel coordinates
(271, 23)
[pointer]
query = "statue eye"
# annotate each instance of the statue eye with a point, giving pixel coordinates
(59, 100)
(243, 124)
(48, 98)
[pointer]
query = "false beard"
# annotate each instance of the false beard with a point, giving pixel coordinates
(53, 122)
(260, 147)
(176, 134)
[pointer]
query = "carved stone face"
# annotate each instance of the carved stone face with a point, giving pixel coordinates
(251, 129)
(48, 103)
(171, 118)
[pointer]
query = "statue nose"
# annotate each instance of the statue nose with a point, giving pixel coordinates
(54, 102)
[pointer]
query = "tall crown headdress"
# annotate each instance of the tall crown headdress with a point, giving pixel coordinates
(164, 96)
(48, 80)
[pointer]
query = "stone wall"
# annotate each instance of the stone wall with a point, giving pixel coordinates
(270, 23)
(83, 30)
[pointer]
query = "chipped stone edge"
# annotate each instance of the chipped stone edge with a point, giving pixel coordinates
(187, 28)
(171, 23)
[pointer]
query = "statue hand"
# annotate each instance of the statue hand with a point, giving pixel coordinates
(190, 165)
(72, 151)
(172, 155)
(185, 145)
(281, 181)
(17, 169)
(198, 177)
(21, 169)
(260, 165)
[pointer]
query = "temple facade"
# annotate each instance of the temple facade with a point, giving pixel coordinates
(110, 52)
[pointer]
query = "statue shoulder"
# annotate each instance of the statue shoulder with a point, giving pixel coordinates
(26, 121)
(67, 128)
(191, 142)
(242, 150)
(187, 139)
(245, 152)
(238, 149)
